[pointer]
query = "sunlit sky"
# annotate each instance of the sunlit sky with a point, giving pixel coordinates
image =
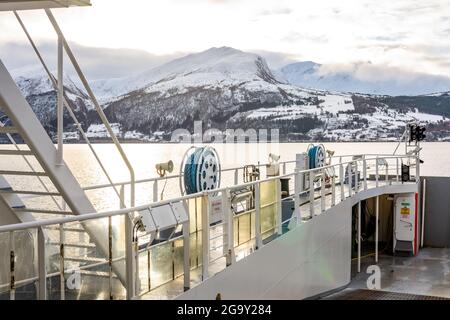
(408, 34)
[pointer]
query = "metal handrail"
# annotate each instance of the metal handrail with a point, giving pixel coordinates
(68, 108)
(112, 213)
(96, 104)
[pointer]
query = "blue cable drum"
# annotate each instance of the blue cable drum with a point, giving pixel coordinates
(201, 170)
(316, 154)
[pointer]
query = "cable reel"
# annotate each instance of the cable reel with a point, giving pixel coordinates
(200, 170)
(317, 156)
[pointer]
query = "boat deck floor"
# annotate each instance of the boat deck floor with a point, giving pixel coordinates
(423, 277)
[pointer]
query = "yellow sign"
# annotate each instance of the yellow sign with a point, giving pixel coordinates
(404, 211)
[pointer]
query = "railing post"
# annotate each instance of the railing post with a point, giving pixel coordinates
(129, 257)
(236, 176)
(258, 236)
(122, 196)
(12, 267)
(229, 218)
(377, 210)
(349, 178)
(279, 216)
(284, 167)
(356, 177)
(387, 172)
(322, 191)
(110, 257)
(376, 172)
(60, 101)
(359, 236)
(42, 268)
(417, 169)
(341, 181)
(297, 197)
(365, 172)
(333, 190)
(61, 262)
(311, 194)
(205, 238)
(186, 256)
(397, 170)
(155, 191)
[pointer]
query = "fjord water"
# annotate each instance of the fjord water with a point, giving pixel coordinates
(79, 158)
(436, 157)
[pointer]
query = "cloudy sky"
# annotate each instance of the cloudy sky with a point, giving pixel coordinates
(408, 35)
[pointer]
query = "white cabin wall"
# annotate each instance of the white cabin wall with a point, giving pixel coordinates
(313, 258)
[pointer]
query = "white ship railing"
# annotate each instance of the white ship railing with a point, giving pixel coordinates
(317, 197)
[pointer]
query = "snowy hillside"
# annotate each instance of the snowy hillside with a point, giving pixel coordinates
(227, 88)
(39, 92)
(213, 66)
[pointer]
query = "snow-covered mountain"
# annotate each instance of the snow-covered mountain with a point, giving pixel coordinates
(227, 88)
(211, 66)
(39, 92)
(361, 77)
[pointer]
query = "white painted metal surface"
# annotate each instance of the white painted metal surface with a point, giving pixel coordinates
(6, 5)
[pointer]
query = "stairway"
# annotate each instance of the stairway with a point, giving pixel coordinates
(40, 149)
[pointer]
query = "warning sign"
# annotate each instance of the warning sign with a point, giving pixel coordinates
(405, 211)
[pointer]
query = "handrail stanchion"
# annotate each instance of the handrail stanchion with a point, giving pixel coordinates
(229, 216)
(155, 191)
(376, 171)
(322, 191)
(356, 177)
(258, 236)
(387, 173)
(12, 267)
(205, 237)
(122, 196)
(297, 197)
(341, 181)
(236, 177)
(377, 212)
(284, 167)
(333, 190)
(397, 170)
(186, 256)
(417, 169)
(359, 236)
(110, 258)
(42, 268)
(349, 178)
(365, 172)
(279, 217)
(129, 257)
(311, 194)
(62, 240)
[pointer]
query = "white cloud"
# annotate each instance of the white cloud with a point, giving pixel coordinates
(393, 33)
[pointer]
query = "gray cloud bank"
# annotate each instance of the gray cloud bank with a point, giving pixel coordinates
(104, 63)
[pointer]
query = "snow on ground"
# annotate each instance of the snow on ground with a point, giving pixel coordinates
(99, 130)
(425, 117)
(336, 103)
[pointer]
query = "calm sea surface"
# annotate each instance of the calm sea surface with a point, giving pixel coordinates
(436, 158)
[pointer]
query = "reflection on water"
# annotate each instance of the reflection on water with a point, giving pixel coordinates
(145, 156)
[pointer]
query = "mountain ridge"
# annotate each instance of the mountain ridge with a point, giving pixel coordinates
(228, 88)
